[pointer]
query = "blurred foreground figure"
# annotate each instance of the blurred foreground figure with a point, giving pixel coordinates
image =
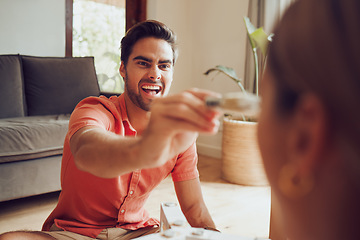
(309, 128)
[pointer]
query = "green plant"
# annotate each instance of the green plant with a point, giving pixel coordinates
(259, 41)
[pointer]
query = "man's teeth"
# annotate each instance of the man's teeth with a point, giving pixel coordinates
(151, 87)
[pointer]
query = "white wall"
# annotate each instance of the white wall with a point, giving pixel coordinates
(210, 32)
(35, 27)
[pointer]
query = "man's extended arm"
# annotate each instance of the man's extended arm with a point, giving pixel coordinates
(172, 128)
(103, 153)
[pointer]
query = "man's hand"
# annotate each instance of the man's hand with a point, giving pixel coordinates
(175, 123)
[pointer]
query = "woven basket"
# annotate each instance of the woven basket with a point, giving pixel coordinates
(241, 161)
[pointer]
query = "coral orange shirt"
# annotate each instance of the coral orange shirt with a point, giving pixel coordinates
(89, 204)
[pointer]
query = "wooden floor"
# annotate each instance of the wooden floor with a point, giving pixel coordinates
(238, 210)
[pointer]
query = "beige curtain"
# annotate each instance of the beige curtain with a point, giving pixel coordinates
(262, 13)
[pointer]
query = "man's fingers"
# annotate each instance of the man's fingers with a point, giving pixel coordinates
(184, 113)
(202, 93)
(194, 99)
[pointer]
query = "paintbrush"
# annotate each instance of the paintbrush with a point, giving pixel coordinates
(247, 104)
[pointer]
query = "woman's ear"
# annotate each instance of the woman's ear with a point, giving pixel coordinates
(310, 124)
(307, 140)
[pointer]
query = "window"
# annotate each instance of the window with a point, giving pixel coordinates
(96, 28)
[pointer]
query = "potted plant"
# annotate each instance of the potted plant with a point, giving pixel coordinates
(241, 161)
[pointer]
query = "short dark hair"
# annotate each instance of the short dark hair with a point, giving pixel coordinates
(149, 28)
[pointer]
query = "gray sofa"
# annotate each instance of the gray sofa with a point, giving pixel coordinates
(37, 95)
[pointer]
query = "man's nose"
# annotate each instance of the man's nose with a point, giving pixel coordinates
(154, 73)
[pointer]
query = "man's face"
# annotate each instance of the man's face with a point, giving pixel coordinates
(149, 71)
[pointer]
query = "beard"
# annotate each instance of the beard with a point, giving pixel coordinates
(135, 96)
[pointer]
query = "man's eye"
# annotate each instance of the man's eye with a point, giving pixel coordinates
(165, 66)
(145, 64)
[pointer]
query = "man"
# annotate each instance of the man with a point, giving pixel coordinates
(117, 150)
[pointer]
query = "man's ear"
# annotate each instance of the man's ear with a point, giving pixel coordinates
(308, 134)
(122, 70)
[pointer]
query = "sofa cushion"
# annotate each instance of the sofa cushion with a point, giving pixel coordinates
(26, 138)
(12, 100)
(54, 85)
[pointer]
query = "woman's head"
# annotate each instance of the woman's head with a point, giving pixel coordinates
(316, 49)
(311, 90)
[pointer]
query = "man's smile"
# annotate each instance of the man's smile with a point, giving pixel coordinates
(151, 89)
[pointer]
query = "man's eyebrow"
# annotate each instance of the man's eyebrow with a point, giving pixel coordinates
(142, 58)
(166, 61)
(150, 60)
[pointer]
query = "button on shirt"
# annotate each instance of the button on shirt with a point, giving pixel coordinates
(89, 204)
